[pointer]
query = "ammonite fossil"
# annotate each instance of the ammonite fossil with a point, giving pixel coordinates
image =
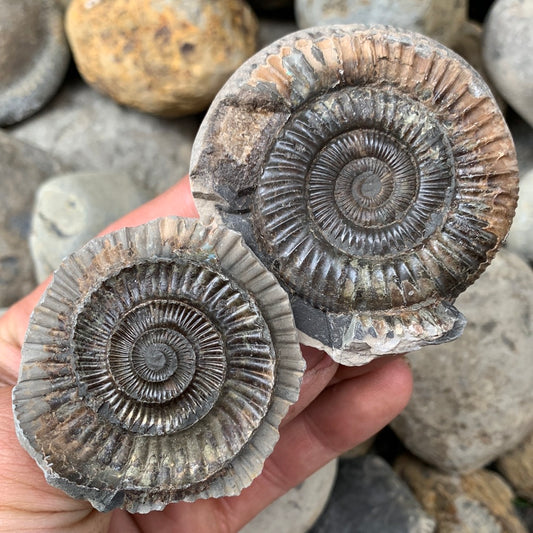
(157, 367)
(371, 170)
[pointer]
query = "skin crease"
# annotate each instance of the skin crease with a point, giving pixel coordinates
(338, 408)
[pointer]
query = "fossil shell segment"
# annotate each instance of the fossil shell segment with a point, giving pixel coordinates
(157, 367)
(371, 170)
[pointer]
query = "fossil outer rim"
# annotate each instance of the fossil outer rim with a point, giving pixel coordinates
(46, 378)
(250, 114)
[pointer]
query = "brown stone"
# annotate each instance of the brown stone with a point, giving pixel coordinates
(164, 57)
(517, 467)
(480, 501)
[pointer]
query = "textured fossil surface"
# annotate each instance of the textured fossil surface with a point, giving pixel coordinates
(157, 367)
(372, 172)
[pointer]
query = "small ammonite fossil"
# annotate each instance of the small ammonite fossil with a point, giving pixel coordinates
(157, 367)
(372, 171)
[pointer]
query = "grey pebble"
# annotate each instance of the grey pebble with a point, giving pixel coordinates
(369, 497)
(34, 56)
(519, 239)
(297, 510)
(507, 52)
(22, 169)
(91, 132)
(71, 209)
(434, 18)
(473, 398)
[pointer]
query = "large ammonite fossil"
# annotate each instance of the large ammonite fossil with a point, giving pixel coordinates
(372, 171)
(157, 367)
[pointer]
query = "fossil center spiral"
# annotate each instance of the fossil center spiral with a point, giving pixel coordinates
(355, 173)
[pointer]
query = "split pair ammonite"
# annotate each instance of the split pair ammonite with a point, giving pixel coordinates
(368, 168)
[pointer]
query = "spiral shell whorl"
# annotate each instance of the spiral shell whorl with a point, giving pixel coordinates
(160, 362)
(373, 173)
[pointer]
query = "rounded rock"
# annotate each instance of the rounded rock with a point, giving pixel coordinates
(154, 151)
(162, 57)
(507, 52)
(517, 467)
(72, 208)
(434, 18)
(377, 191)
(519, 239)
(34, 56)
(157, 367)
(472, 399)
(297, 510)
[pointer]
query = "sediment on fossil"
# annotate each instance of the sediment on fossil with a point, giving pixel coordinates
(157, 367)
(371, 170)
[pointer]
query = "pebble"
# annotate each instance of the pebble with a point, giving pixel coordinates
(369, 497)
(73, 208)
(519, 239)
(434, 18)
(522, 134)
(468, 46)
(22, 169)
(34, 56)
(507, 52)
(90, 132)
(271, 30)
(473, 398)
(297, 510)
(167, 57)
(473, 503)
(517, 467)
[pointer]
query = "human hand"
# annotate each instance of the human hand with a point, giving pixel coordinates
(338, 408)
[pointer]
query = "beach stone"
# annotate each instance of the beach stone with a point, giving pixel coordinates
(517, 467)
(34, 56)
(167, 57)
(271, 30)
(72, 209)
(297, 510)
(468, 46)
(90, 132)
(522, 134)
(507, 52)
(477, 502)
(368, 497)
(434, 18)
(520, 238)
(473, 398)
(22, 169)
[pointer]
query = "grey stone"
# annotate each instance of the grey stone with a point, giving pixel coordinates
(71, 209)
(434, 18)
(477, 502)
(34, 56)
(369, 497)
(519, 239)
(468, 46)
(22, 169)
(507, 52)
(90, 132)
(522, 134)
(473, 398)
(297, 510)
(271, 30)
